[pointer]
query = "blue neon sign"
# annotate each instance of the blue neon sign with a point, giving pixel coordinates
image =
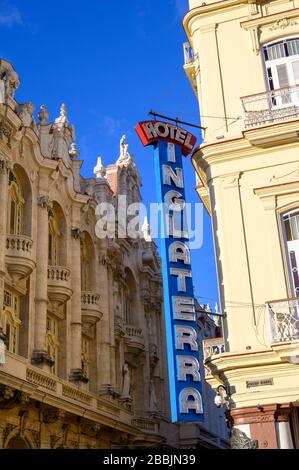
(170, 142)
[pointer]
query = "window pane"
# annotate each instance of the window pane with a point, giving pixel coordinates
(12, 216)
(282, 73)
(295, 66)
(294, 228)
(50, 249)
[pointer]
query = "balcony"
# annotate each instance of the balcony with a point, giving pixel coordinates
(146, 425)
(19, 257)
(190, 65)
(134, 337)
(188, 53)
(271, 106)
(90, 306)
(59, 290)
(212, 347)
(284, 320)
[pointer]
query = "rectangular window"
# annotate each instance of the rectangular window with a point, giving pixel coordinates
(12, 217)
(50, 249)
(7, 298)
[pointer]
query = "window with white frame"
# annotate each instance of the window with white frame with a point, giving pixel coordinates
(282, 67)
(291, 225)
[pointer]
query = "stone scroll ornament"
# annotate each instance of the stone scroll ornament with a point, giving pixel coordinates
(170, 142)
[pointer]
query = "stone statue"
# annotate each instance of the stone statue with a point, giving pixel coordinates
(153, 397)
(124, 147)
(239, 440)
(126, 381)
(62, 120)
(9, 81)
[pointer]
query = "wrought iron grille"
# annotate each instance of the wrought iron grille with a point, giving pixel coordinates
(284, 320)
(271, 106)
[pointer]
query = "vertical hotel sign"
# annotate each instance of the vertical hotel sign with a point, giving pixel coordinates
(170, 143)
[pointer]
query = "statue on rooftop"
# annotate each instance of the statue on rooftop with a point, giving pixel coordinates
(123, 148)
(62, 120)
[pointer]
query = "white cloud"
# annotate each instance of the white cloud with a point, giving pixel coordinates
(112, 126)
(9, 14)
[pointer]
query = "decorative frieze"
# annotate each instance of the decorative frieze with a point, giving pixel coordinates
(283, 23)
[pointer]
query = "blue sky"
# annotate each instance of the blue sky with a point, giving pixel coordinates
(110, 62)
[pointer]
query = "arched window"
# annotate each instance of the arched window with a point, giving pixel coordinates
(282, 67)
(54, 236)
(85, 267)
(11, 321)
(52, 342)
(130, 299)
(128, 308)
(291, 225)
(15, 206)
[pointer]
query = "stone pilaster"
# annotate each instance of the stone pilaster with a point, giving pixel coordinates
(5, 166)
(40, 355)
(76, 374)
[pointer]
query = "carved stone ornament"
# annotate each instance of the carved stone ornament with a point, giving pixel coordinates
(51, 415)
(25, 111)
(35, 437)
(9, 81)
(239, 440)
(6, 433)
(74, 152)
(43, 115)
(76, 233)
(6, 133)
(45, 202)
(283, 23)
(5, 164)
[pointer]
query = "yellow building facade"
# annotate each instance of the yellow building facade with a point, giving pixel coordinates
(242, 61)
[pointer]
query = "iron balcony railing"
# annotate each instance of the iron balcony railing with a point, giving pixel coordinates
(271, 106)
(284, 320)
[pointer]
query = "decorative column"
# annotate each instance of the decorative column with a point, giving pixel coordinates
(40, 355)
(5, 166)
(76, 374)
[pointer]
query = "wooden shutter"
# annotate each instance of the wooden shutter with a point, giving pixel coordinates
(282, 73)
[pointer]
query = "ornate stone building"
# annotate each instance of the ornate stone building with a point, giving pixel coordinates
(81, 317)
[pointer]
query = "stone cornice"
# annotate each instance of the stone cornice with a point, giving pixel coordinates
(253, 142)
(269, 19)
(69, 405)
(277, 189)
(205, 10)
(261, 414)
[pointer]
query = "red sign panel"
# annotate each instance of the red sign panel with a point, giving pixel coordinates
(150, 132)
